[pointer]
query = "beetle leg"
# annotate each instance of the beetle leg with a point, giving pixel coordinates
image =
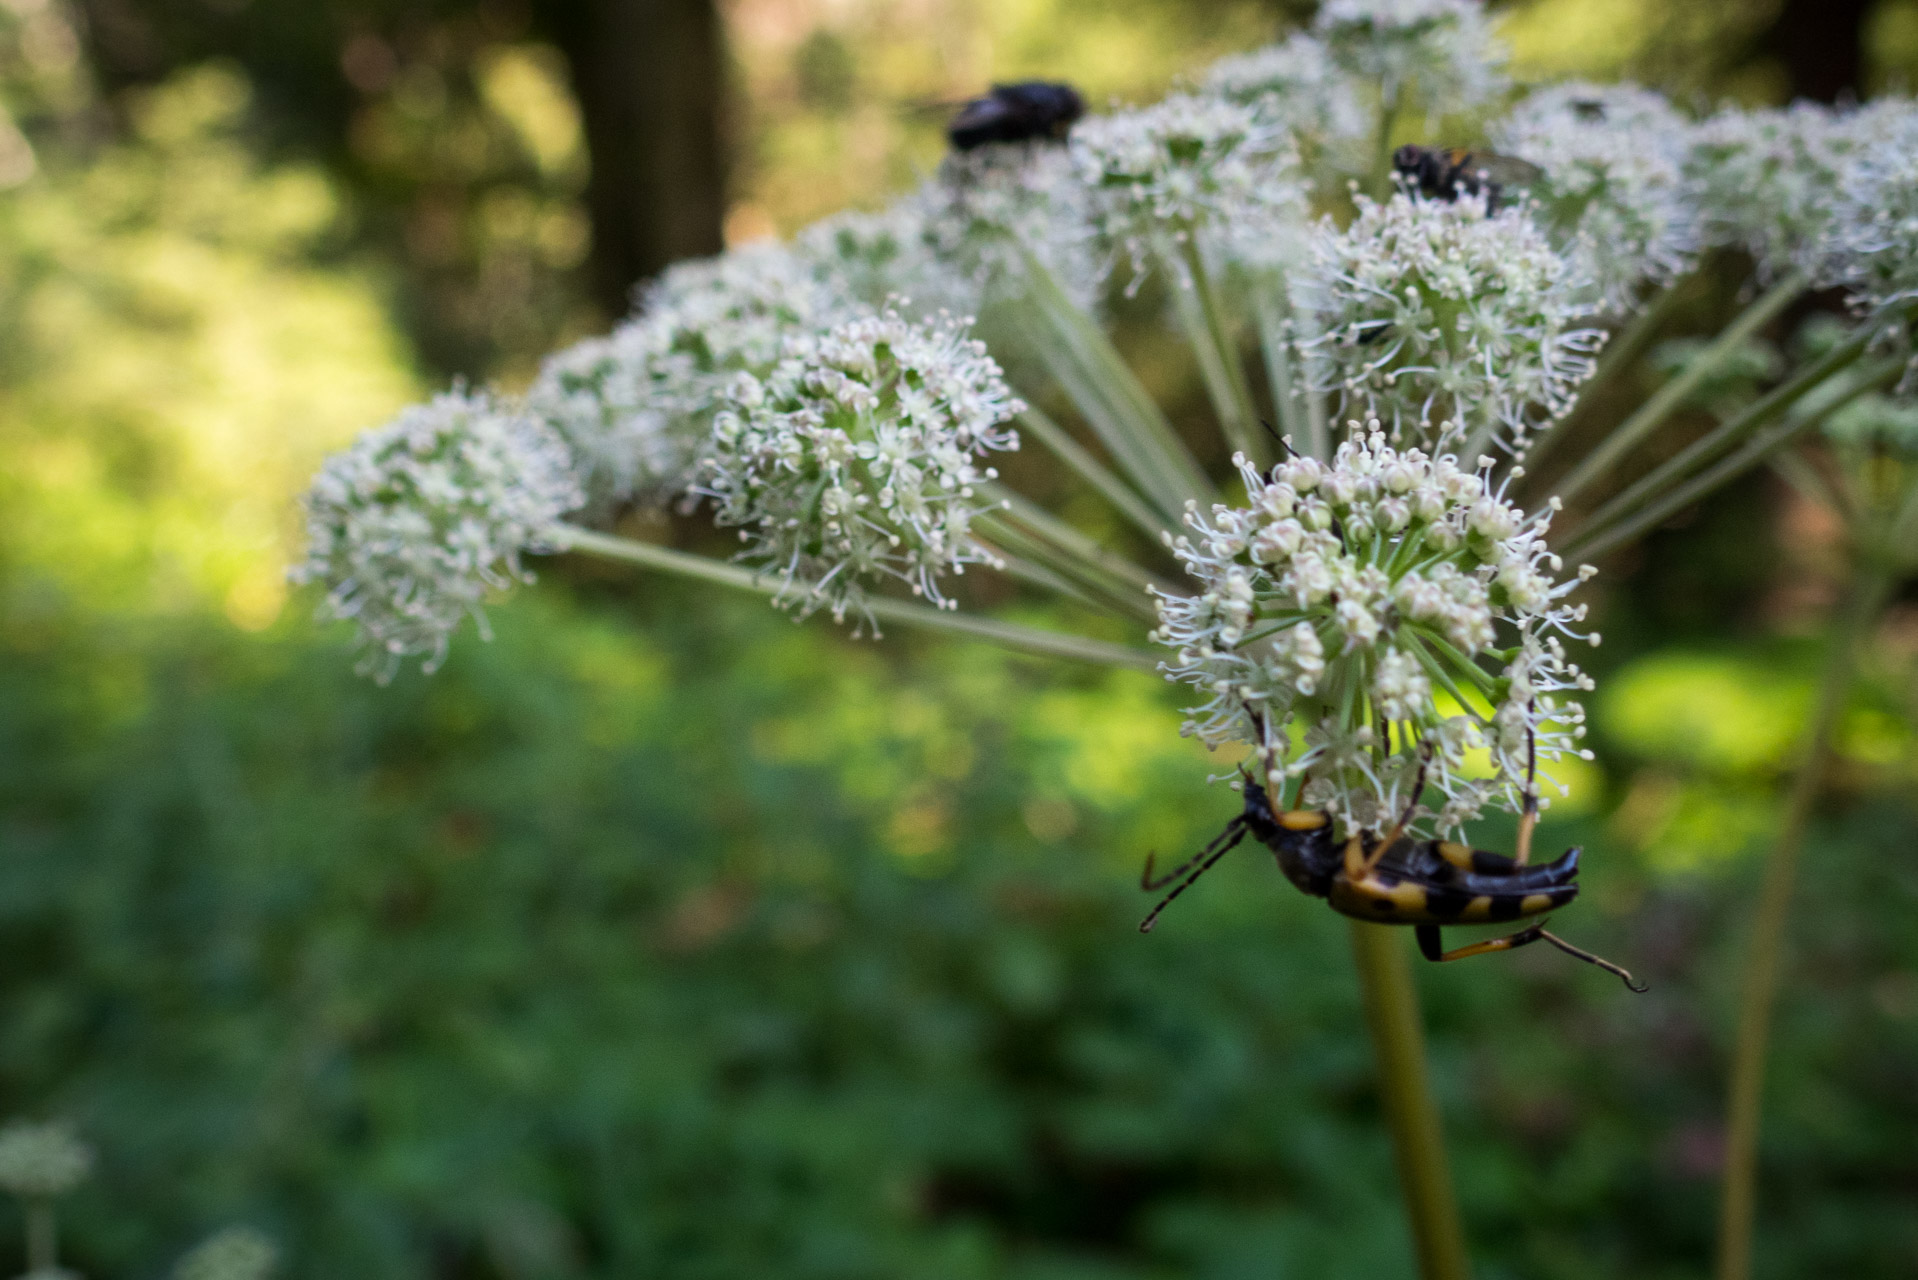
(1631, 983)
(1405, 819)
(1433, 949)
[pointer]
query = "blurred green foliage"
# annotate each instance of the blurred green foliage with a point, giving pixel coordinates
(661, 937)
(691, 943)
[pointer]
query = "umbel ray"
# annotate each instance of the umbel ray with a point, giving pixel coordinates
(1395, 879)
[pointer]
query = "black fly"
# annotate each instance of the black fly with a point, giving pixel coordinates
(1446, 173)
(1023, 112)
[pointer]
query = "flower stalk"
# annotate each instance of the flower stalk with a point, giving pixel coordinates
(1007, 635)
(1620, 352)
(1106, 392)
(1669, 398)
(1123, 497)
(1765, 960)
(1592, 542)
(1418, 1139)
(1202, 316)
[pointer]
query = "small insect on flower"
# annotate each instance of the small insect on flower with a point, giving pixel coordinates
(1446, 173)
(1395, 879)
(1030, 110)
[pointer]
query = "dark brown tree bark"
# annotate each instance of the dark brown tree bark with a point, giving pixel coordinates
(649, 75)
(1822, 46)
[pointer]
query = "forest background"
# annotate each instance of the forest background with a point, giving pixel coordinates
(662, 937)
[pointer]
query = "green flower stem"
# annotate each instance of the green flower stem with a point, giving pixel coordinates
(1418, 1144)
(1593, 542)
(1202, 316)
(1620, 353)
(1074, 541)
(1813, 486)
(1669, 398)
(1009, 635)
(1123, 497)
(1301, 411)
(42, 1238)
(1127, 420)
(1755, 415)
(1378, 183)
(1035, 574)
(1083, 580)
(1738, 1200)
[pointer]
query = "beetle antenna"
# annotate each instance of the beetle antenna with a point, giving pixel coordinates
(1285, 442)
(1227, 840)
(1149, 883)
(1631, 984)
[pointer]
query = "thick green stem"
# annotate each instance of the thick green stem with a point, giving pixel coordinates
(1125, 417)
(1738, 1203)
(1288, 397)
(1094, 555)
(1669, 398)
(1592, 542)
(42, 1240)
(1418, 1144)
(1727, 434)
(1009, 635)
(1066, 572)
(1621, 351)
(1378, 183)
(1202, 316)
(1123, 497)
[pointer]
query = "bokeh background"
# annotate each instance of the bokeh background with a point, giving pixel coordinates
(661, 937)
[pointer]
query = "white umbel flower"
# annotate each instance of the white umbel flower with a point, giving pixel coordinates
(1613, 158)
(991, 212)
(857, 458)
(235, 1253)
(1444, 322)
(40, 1161)
(637, 406)
(879, 256)
(417, 522)
(1162, 173)
(1438, 55)
(1296, 87)
(1871, 245)
(1769, 181)
(632, 443)
(1355, 616)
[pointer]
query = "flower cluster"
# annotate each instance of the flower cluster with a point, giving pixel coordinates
(1161, 173)
(884, 257)
(1345, 619)
(39, 1161)
(857, 456)
(1440, 55)
(236, 1253)
(1446, 322)
(1295, 86)
(992, 211)
(636, 405)
(1768, 181)
(1871, 245)
(1613, 159)
(419, 521)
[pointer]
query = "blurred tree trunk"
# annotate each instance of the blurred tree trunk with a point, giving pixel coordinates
(1822, 46)
(650, 78)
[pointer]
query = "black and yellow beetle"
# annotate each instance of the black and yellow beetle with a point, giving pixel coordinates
(1399, 880)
